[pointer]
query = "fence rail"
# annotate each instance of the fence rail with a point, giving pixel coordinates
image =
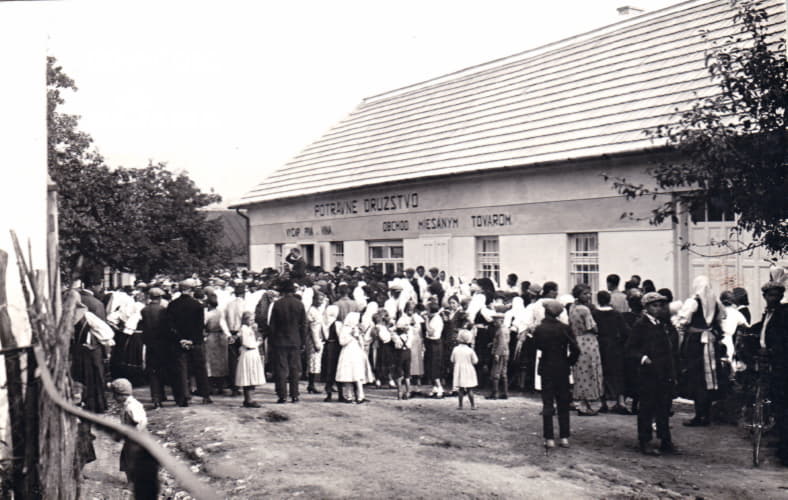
(185, 477)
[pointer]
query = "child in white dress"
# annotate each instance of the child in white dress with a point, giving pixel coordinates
(464, 359)
(250, 371)
(352, 365)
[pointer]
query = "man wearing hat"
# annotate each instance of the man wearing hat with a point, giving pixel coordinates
(653, 345)
(287, 340)
(156, 338)
(555, 339)
(773, 330)
(186, 320)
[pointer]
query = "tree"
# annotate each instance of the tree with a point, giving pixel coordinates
(140, 220)
(730, 150)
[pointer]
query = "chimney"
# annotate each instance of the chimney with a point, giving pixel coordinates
(628, 10)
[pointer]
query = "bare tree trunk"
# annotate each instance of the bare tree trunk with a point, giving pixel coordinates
(13, 371)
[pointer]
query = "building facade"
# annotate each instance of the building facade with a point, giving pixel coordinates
(500, 168)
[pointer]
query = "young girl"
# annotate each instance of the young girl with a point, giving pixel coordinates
(249, 372)
(434, 350)
(352, 365)
(464, 359)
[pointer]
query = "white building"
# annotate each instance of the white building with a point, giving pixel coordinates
(497, 168)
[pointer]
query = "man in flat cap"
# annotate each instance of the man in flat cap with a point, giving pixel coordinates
(653, 346)
(773, 332)
(186, 319)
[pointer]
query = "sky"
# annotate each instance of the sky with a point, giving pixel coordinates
(229, 91)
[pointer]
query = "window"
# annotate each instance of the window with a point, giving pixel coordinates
(386, 256)
(714, 211)
(338, 253)
(584, 260)
(278, 250)
(488, 260)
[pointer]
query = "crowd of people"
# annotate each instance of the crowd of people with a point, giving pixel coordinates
(421, 333)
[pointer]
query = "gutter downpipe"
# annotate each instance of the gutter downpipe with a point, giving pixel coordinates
(248, 237)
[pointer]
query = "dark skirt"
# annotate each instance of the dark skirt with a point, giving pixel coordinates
(87, 367)
(384, 362)
(329, 362)
(433, 359)
(612, 353)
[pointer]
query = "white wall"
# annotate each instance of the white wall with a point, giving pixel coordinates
(536, 258)
(462, 250)
(262, 256)
(23, 160)
(649, 254)
(356, 253)
(413, 253)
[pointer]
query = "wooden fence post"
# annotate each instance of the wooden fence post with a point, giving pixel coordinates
(13, 371)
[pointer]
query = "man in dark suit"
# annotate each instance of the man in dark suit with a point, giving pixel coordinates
(653, 345)
(773, 331)
(287, 340)
(186, 319)
(156, 338)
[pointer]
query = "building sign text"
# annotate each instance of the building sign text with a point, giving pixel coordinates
(491, 220)
(383, 203)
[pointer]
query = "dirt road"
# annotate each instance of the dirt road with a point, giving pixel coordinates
(425, 448)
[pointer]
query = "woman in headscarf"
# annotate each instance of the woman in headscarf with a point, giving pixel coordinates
(483, 317)
(514, 321)
(701, 317)
(331, 348)
(216, 338)
(352, 365)
(314, 339)
(588, 371)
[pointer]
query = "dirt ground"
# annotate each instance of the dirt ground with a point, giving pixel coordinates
(426, 448)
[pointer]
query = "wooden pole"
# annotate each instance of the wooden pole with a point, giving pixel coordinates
(53, 252)
(13, 371)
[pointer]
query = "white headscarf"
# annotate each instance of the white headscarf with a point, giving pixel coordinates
(349, 330)
(332, 313)
(369, 312)
(516, 315)
(708, 299)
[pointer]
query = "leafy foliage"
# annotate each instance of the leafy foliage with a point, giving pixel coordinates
(731, 147)
(142, 220)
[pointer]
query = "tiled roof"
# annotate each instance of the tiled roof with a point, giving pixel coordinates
(589, 95)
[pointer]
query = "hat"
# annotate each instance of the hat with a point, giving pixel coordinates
(772, 285)
(121, 386)
(141, 284)
(535, 288)
(553, 307)
(395, 286)
(156, 292)
(464, 337)
(652, 297)
(188, 284)
(286, 286)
